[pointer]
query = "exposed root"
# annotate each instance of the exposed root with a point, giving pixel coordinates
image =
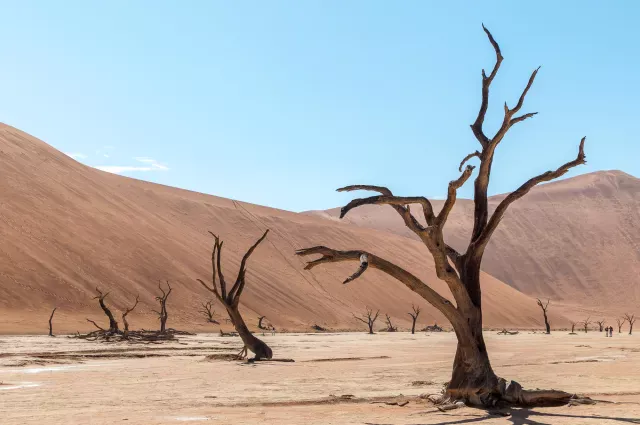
(143, 336)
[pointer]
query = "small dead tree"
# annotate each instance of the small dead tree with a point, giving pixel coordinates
(620, 321)
(208, 311)
(50, 322)
(473, 379)
(260, 319)
(586, 324)
(414, 317)
(231, 300)
(368, 318)
(544, 308)
(113, 324)
(601, 324)
(163, 315)
(573, 327)
(631, 318)
(390, 327)
(124, 317)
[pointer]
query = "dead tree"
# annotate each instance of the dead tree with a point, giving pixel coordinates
(390, 327)
(544, 308)
(601, 324)
(573, 327)
(124, 317)
(473, 379)
(414, 317)
(586, 324)
(231, 299)
(620, 321)
(208, 311)
(368, 318)
(163, 315)
(631, 318)
(50, 322)
(260, 319)
(113, 324)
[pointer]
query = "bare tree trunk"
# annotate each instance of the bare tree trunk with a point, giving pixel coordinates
(620, 321)
(414, 318)
(163, 315)
(124, 318)
(390, 327)
(113, 324)
(544, 308)
(260, 319)
(631, 318)
(50, 322)
(601, 324)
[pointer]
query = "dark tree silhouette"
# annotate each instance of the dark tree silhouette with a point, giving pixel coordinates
(620, 321)
(50, 321)
(368, 318)
(124, 317)
(601, 324)
(208, 311)
(573, 327)
(586, 324)
(390, 327)
(113, 324)
(544, 308)
(473, 379)
(631, 318)
(163, 315)
(414, 317)
(260, 319)
(231, 300)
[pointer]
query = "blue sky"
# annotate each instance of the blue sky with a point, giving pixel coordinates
(279, 103)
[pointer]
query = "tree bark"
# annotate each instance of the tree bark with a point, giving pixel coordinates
(113, 324)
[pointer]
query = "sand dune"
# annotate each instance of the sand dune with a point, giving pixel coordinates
(576, 240)
(67, 228)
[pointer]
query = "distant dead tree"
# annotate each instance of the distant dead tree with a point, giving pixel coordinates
(414, 317)
(208, 311)
(163, 315)
(544, 308)
(573, 327)
(113, 324)
(586, 324)
(231, 300)
(473, 379)
(620, 321)
(50, 322)
(124, 317)
(631, 318)
(601, 324)
(368, 318)
(390, 327)
(260, 319)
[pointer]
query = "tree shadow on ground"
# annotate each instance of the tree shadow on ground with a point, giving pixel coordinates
(523, 417)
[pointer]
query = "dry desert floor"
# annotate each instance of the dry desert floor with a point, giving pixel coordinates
(335, 379)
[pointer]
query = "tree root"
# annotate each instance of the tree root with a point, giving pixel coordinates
(143, 336)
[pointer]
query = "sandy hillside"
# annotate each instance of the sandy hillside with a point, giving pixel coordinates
(65, 381)
(67, 228)
(575, 240)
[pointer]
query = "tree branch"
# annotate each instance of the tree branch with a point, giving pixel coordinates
(479, 244)
(237, 288)
(468, 157)
(454, 185)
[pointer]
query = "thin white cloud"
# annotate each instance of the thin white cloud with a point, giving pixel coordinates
(150, 165)
(76, 155)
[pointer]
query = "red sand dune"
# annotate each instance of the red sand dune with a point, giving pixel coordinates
(67, 228)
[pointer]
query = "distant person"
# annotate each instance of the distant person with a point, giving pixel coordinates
(611, 331)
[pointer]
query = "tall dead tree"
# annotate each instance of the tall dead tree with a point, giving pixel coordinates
(414, 317)
(631, 318)
(163, 315)
(390, 327)
(368, 318)
(473, 379)
(601, 324)
(586, 324)
(231, 300)
(124, 317)
(620, 321)
(544, 308)
(51, 321)
(208, 311)
(113, 324)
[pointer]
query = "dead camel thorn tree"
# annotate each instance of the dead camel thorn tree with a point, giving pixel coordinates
(260, 319)
(208, 311)
(113, 324)
(586, 324)
(414, 317)
(601, 324)
(125, 333)
(50, 321)
(544, 308)
(473, 379)
(368, 318)
(231, 300)
(163, 315)
(573, 327)
(390, 327)
(620, 321)
(631, 318)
